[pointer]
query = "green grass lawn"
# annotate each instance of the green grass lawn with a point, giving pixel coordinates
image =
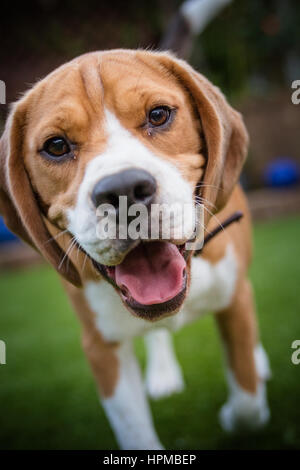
(48, 399)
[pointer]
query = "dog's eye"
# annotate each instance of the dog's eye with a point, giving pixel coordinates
(56, 147)
(159, 116)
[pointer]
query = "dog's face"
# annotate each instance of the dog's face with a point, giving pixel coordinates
(122, 123)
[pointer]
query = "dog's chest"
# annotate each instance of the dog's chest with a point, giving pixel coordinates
(212, 287)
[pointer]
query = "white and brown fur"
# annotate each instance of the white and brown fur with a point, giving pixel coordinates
(98, 100)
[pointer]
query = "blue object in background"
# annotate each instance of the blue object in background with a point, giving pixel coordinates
(282, 172)
(5, 234)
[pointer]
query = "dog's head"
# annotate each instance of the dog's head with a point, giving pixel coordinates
(138, 124)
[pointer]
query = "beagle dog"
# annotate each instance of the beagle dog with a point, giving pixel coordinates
(147, 126)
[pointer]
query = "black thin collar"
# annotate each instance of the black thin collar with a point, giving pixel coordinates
(235, 217)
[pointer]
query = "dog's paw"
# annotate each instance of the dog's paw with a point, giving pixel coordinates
(244, 413)
(162, 381)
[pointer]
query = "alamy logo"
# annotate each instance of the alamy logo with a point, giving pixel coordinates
(296, 354)
(157, 222)
(296, 94)
(2, 92)
(2, 352)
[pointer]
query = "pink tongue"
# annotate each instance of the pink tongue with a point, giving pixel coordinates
(152, 272)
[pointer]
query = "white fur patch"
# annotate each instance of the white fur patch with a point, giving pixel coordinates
(128, 410)
(163, 373)
(244, 410)
(262, 363)
(123, 151)
(212, 285)
(114, 321)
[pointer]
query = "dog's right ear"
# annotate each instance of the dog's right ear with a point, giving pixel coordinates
(18, 203)
(7, 208)
(224, 131)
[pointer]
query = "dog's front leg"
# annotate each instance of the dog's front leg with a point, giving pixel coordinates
(122, 393)
(163, 372)
(247, 363)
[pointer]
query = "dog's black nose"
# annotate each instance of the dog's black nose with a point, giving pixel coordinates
(138, 185)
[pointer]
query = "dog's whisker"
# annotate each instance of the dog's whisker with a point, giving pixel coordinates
(198, 223)
(204, 201)
(72, 248)
(55, 237)
(212, 215)
(206, 185)
(84, 263)
(71, 244)
(78, 251)
(215, 218)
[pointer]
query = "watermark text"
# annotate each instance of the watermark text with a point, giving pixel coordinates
(2, 352)
(2, 92)
(296, 94)
(296, 354)
(157, 222)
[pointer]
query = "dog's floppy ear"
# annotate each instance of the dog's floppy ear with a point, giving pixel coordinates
(225, 133)
(18, 204)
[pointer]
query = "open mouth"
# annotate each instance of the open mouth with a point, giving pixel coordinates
(151, 279)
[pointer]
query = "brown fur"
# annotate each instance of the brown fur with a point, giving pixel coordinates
(100, 353)
(239, 332)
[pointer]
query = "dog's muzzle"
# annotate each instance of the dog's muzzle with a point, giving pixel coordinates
(152, 277)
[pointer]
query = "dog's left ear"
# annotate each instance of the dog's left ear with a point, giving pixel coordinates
(225, 133)
(18, 204)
